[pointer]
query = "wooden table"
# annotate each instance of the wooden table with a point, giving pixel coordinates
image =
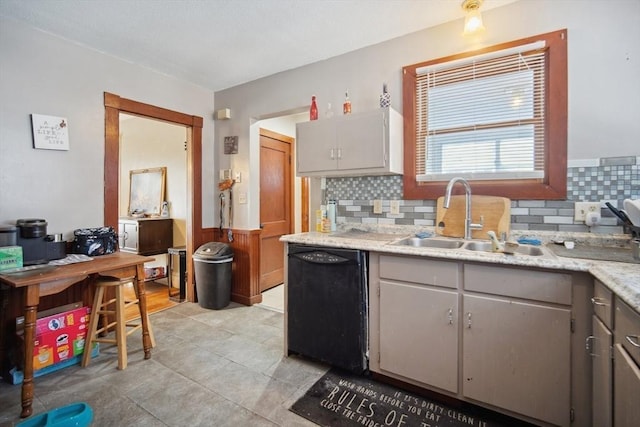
(119, 264)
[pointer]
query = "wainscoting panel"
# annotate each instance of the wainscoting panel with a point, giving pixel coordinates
(245, 288)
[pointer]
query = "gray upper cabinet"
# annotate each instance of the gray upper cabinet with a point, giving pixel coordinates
(368, 143)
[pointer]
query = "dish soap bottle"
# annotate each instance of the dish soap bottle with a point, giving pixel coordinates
(346, 107)
(313, 111)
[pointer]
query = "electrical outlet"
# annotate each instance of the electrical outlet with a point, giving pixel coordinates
(583, 208)
(377, 206)
(394, 206)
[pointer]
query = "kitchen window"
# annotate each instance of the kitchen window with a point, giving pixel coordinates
(497, 117)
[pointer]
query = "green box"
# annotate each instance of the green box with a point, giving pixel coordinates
(10, 257)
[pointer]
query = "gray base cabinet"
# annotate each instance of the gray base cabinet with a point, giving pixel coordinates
(407, 341)
(516, 356)
(497, 336)
(626, 366)
(614, 347)
(626, 391)
(600, 347)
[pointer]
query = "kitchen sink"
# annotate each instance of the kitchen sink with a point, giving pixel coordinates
(486, 247)
(430, 243)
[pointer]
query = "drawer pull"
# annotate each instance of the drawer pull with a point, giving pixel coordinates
(589, 344)
(633, 340)
(469, 320)
(598, 301)
(451, 316)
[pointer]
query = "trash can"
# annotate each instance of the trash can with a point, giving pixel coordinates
(212, 263)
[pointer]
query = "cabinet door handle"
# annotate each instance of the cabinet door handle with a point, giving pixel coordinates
(450, 315)
(339, 153)
(588, 345)
(633, 340)
(333, 157)
(598, 301)
(469, 320)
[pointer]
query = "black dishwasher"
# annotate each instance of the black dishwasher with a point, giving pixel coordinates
(327, 305)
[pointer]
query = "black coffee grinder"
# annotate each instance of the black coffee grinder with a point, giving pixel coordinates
(37, 246)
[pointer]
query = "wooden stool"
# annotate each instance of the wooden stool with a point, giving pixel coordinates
(101, 307)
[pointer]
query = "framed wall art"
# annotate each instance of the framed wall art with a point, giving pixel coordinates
(50, 132)
(230, 145)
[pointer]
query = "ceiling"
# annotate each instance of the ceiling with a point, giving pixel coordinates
(218, 44)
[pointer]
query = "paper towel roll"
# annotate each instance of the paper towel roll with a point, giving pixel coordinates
(331, 214)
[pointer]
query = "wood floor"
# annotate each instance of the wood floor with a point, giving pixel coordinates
(157, 295)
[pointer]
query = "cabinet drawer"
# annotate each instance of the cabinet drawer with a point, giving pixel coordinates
(602, 303)
(420, 270)
(627, 330)
(519, 283)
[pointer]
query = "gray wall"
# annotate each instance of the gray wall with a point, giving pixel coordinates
(603, 49)
(43, 74)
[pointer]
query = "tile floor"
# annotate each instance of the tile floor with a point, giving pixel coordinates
(209, 368)
(273, 299)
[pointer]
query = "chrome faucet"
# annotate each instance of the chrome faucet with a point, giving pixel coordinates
(468, 225)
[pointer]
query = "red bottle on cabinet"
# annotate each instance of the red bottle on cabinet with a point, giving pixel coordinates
(346, 107)
(313, 111)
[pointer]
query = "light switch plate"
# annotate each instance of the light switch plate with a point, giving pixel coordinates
(395, 207)
(377, 206)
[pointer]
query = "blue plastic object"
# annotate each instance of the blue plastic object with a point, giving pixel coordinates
(423, 235)
(75, 415)
(529, 241)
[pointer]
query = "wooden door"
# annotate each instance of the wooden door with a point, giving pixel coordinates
(275, 205)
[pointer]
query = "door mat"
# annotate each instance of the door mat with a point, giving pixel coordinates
(341, 399)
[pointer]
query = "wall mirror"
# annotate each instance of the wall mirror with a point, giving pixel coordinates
(146, 191)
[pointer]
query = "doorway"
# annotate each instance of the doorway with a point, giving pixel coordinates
(147, 144)
(284, 125)
(114, 105)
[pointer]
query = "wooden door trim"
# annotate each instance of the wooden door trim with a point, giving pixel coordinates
(114, 105)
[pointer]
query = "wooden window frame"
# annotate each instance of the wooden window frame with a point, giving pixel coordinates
(554, 184)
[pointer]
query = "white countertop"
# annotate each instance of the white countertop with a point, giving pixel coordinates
(622, 278)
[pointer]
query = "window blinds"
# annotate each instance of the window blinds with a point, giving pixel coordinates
(482, 117)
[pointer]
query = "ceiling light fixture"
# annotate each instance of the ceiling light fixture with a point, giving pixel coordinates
(473, 18)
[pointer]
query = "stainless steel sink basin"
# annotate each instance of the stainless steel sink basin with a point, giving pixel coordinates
(486, 247)
(430, 243)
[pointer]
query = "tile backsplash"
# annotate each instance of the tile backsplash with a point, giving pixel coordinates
(599, 183)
